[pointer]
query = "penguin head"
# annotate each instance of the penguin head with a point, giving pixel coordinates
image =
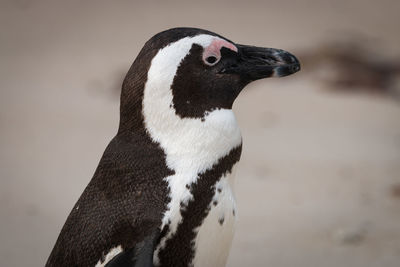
(195, 72)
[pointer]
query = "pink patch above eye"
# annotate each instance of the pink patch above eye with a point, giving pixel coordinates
(214, 49)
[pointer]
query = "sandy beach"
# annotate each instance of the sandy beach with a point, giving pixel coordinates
(319, 179)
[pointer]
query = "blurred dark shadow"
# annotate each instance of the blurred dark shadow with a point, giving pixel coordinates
(353, 65)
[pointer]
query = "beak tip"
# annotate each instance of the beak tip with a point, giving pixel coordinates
(288, 69)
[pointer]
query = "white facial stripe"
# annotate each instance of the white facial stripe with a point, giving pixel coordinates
(192, 146)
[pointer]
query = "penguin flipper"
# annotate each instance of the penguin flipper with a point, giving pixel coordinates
(139, 256)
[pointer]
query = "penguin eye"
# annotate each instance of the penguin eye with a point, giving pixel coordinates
(211, 60)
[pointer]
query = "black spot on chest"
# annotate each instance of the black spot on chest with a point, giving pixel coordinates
(179, 249)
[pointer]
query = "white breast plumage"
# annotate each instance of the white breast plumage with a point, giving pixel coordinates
(214, 236)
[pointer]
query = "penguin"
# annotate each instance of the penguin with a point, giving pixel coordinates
(162, 194)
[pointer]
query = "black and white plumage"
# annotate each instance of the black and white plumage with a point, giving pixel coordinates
(162, 193)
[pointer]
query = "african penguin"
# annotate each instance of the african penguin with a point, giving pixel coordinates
(162, 194)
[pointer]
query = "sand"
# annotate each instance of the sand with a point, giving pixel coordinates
(319, 179)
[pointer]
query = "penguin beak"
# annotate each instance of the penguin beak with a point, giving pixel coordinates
(256, 63)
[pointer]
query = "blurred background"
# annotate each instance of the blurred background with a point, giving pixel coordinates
(319, 179)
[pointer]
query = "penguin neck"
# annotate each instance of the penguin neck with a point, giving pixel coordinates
(186, 141)
(190, 144)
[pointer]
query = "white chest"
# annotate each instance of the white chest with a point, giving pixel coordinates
(214, 236)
